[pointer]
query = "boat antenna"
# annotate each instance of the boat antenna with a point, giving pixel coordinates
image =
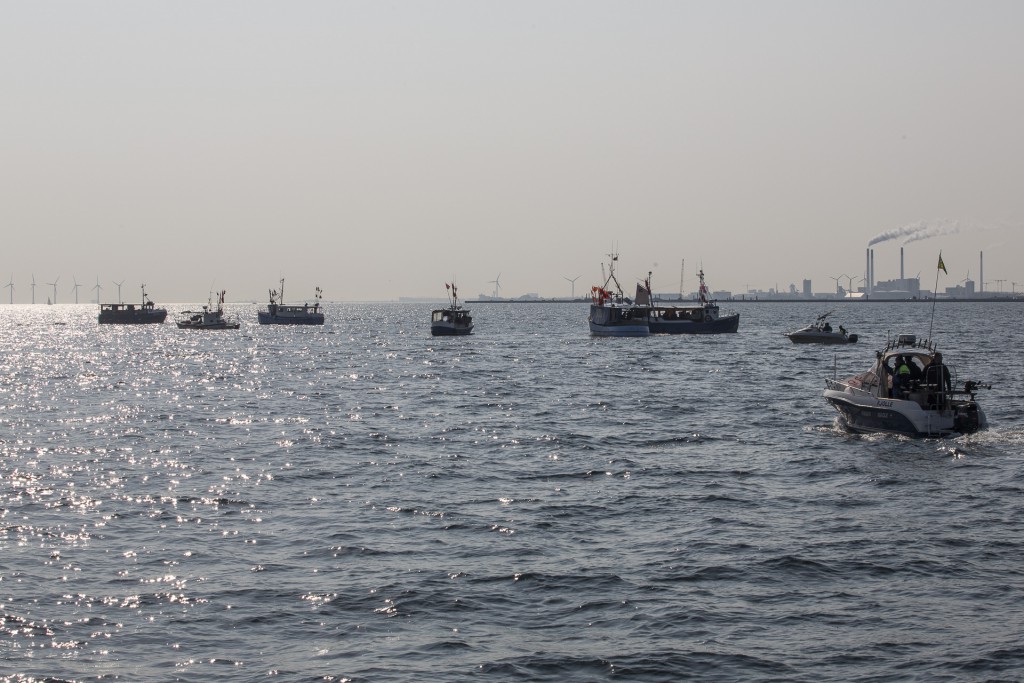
(612, 258)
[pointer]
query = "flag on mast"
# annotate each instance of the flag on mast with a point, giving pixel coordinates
(942, 266)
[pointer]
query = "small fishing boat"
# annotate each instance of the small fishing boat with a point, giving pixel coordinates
(130, 314)
(821, 332)
(209, 318)
(279, 313)
(453, 320)
(907, 390)
(704, 317)
(612, 314)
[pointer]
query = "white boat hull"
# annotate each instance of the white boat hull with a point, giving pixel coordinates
(861, 411)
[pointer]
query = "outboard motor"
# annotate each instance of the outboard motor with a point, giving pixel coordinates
(967, 418)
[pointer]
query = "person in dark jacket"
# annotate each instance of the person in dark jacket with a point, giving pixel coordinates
(936, 375)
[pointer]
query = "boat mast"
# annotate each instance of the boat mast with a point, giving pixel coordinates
(613, 257)
(682, 273)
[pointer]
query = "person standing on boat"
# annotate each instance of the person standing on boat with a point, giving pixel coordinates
(937, 376)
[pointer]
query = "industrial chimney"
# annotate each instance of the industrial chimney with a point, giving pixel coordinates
(981, 270)
(867, 272)
(901, 266)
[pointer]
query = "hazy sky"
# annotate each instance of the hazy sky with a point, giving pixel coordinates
(379, 149)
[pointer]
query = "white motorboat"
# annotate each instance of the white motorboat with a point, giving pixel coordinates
(907, 390)
(821, 332)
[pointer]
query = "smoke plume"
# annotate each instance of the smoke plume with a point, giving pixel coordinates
(934, 230)
(905, 231)
(920, 230)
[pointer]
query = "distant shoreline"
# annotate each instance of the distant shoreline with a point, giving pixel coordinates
(668, 302)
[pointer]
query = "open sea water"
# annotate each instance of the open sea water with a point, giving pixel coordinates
(363, 502)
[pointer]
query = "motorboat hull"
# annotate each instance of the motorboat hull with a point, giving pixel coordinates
(820, 337)
(863, 412)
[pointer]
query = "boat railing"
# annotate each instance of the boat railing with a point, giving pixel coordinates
(909, 341)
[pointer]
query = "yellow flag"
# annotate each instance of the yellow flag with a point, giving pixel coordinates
(942, 266)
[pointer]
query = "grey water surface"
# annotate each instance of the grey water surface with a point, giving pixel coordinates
(363, 502)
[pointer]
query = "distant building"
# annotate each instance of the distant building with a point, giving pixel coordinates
(902, 288)
(964, 291)
(807, 290)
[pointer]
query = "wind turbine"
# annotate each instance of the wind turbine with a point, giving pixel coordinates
(573, 281)
(119, 291)
(497, 285)
(838, 280)
(75, 287)
(10, 285)
(54, 285)
(33, 287)
(97, 288)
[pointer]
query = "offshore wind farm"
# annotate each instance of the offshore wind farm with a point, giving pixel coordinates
(891, 281)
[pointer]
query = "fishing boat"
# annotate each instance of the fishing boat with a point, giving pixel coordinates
(821, 332)
(130, 314)
(907, 390)
(704, 317)
(612, 314)
(453, 320)
(280, 313)
(209, 318)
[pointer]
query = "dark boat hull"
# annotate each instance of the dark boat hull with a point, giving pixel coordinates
(311, 319)
(724, 325)
(213, 326)
(136, 318)
(448, 331)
